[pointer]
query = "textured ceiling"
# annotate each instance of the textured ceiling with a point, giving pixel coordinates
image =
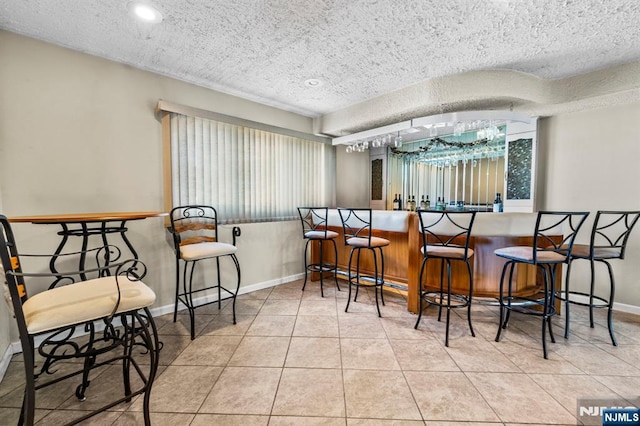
(359, 49)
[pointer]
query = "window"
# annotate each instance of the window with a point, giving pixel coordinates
(248, 174)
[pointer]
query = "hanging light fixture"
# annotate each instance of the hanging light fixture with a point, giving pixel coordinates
(485, 123)
(397, 142)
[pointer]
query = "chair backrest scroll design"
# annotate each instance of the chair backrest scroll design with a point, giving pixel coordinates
(611, 230)
(193, 224)
(447, 229)
(555, 223)
(356, 223)
(313, 219)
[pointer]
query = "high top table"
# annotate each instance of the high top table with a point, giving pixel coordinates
(85, 225)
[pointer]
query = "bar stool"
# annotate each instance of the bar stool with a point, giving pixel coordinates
(112, 311)
(546, 253)
(358, 234)
(445, 237)
(195, 237)
(314, 228)
(609, 237)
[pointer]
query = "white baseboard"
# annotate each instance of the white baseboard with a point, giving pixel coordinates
(168, 309)
(6, 359)
(631, 309)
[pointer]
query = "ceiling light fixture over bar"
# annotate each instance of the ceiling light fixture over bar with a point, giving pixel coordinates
(445, 124)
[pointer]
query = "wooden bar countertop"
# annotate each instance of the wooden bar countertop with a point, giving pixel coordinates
(86, 217)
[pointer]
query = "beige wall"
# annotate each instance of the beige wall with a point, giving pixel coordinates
(591, 162)
(78, 134)
(353, 179)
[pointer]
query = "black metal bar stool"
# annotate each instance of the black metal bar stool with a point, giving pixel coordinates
(546, 253)
(314, 228)
(195, 237)
(445, 237)
(609, 236)
(357, 226)
(111, 312)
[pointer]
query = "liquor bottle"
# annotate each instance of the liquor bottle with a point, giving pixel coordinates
(399, 201)
(396, 203)
(412, 203)
(497, 204)
(423, 204)
(428, 203)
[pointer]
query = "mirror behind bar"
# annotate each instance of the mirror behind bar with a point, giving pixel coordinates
(464, 171)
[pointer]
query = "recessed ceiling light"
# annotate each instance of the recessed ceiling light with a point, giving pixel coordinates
(145, 12)
(313, 82)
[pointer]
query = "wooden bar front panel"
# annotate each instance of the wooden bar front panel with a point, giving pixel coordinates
(396, 255)
(402, 261)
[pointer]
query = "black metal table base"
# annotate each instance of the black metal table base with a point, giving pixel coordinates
(85, 230)
(136, 332)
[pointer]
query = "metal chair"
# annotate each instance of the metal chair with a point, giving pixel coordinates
(609, 237)
(314, 228)
(445, 237)
(546, 253)
(111, 311)
(195, 237)
(358, 234)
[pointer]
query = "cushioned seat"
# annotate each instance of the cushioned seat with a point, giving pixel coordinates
(199, 251)
(450, 252)
(583, 251)
(528, 254)
(320, 235)
(84, 301)
(367, 243)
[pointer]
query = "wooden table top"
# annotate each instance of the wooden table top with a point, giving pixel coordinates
(86, 217)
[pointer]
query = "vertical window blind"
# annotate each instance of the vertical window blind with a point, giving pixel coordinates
(248, 175)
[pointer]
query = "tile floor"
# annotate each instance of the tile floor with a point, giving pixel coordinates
(295, 358)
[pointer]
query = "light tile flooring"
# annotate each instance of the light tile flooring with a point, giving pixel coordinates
(295, 358)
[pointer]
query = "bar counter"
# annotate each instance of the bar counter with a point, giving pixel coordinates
(402, 258)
